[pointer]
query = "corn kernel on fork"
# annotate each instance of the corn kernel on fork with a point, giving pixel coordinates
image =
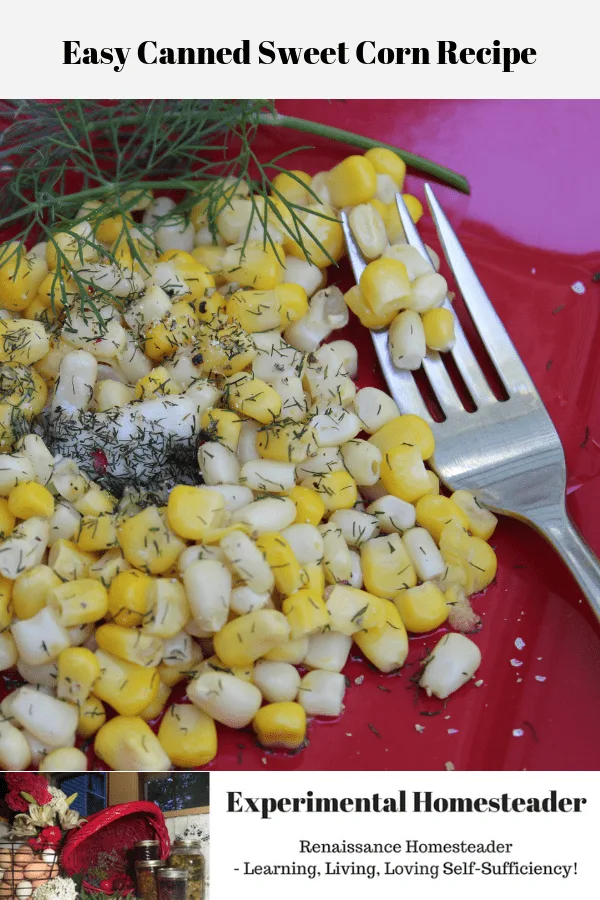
(508, 453)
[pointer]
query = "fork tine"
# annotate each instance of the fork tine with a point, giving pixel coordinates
(464, 357)
(401, 384)
(501, 349)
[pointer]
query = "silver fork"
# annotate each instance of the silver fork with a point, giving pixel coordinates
(507, 453)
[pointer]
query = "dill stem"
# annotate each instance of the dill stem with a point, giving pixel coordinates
(441, 173)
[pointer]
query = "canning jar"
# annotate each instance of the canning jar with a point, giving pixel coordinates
(145, 876)
(186, 853)
(143, 850)
(173, 884)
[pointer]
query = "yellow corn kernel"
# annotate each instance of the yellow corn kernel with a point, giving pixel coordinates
(286, 443)
(386, 566)
(222, 425)
(30, 391)
(55, 292)
(169, 610)
(188, 736)
(386, 646)
(92, 716)
(7, 520)
(245, 639)
(210, 308)
(337, 489)
(78, 602)
(355, 301)
(422, 608)
(478, 557)
(254, 398)
(97, 532)
(322, 238)
(352, 181)
(68, 561)
(158, 382)
(20, 276)
(406, 429)
(385, 286)
(386, 162)
(403, 473)
(129, 598)
(110, 229)
(291, 652)
(148, 543)
(352, 610)
(211, 258)
(177, 329)
(108, 566)
(78, 670)
(434, 512)
(292, 185)
(310, 508)
(434, 483)
(197, 276)
(214, 664)
(280, 556)
(194, 512)
(306, 613)
(38, 310)
(130, 644)
(438, 325)
(6, 608)
(30, 591)
(254, 265)
(280, 725)
(127, 687)
(127, 743)
(95, 502)
(293, 301)
(255, 310)
(314, 576)
(480, 521)
(22, 341)
(393, 225)
(156, 706)
(368, 229)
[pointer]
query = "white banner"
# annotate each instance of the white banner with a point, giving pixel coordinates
(463, 49)
(404, 834)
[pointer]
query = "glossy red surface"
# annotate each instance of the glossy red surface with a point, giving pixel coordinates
(530, 226)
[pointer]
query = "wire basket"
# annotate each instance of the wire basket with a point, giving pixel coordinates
(102, 847)
(24, 869)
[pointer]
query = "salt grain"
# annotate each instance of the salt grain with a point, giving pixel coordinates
(519, 643)
(420, 728)
(453, 731)
(518, 732)
(516, 663)
(359, 680)
(578, 287)
(449, 767)
(479, 683)
(540, 677)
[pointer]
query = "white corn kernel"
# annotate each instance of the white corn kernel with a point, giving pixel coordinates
(324, 461)
(407, 340)
(247, 561)
(322, 693)
(424, 554)
(415, 264)
(306, 542)
(74, 388)
(428, 291)
(266, 514)
(368, 229)
(374, 408)
(336, 426)
(303, 273)
(277, 681)
(363, 461)
(64, 522)
(337, 561)
(218, 464)
(41, 638)
(15, 755)
(328, 651)
(348, 354)
(356, 526)
(453, 661)
(226, 698)
(245, 600)
(50, 720)
(15, 468)
(393, 514)
(208, 589)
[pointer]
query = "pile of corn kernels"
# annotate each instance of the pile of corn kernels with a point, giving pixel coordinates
(308, 520)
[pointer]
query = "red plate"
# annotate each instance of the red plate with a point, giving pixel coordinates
(530, 228)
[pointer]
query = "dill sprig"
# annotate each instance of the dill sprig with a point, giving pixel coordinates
(56, 158)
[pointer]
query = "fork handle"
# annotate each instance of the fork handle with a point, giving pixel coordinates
(578, 556)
